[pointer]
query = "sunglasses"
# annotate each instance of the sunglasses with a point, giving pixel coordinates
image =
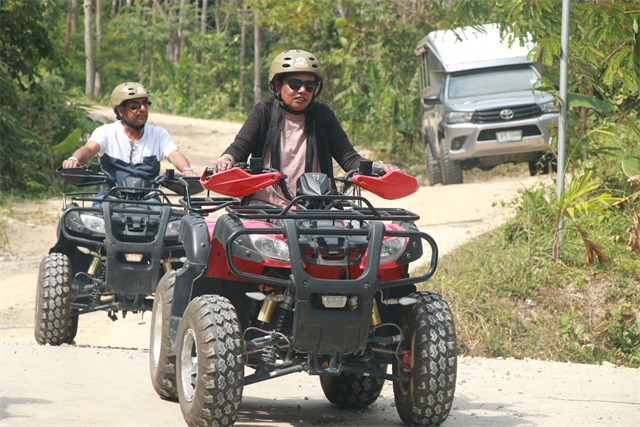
(296, 84)
(136, 105)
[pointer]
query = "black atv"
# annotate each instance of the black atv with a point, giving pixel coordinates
(321, 286)
(111, 251)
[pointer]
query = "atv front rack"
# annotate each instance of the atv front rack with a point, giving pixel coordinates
(355, 210)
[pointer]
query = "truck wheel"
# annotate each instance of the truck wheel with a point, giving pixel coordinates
(53, 322)
(162, 355)
(543, 164)
(428, 361)
(210, 361)
(352, 390)
(451, 169)
(434, 174)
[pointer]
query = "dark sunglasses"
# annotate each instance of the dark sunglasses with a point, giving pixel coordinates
(136, 105)
(296, 84)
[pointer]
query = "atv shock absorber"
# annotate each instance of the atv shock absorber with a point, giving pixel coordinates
(284, 316)
(282, 324)
(95, 264)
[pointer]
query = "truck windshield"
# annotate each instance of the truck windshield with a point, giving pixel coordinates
(490, 81)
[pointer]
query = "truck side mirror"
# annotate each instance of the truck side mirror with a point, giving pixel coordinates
(432, 99)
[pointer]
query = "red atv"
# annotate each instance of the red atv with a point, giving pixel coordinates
(320, 286)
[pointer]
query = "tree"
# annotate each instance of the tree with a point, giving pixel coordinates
(257, 89)
(98, 77)
(88, 47)
(243, 40)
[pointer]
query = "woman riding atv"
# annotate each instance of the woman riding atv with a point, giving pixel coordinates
(291, 131)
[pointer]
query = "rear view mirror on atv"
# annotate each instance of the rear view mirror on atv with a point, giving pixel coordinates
(320, 286)
(111, 251)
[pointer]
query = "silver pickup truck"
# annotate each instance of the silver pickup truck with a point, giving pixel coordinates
(479, 107)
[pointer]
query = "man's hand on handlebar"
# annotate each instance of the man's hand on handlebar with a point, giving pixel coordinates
(70, 163)
(224, 163)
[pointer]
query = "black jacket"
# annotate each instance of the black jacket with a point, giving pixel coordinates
(331, 139)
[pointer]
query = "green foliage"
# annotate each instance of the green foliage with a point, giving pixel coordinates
(35, 115)
(510, 304)
(513, 297)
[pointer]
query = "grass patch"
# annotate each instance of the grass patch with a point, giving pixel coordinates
(509, 302)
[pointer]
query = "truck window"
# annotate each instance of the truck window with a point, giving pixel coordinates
(490, 81)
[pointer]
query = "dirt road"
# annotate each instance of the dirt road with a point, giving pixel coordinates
(103, 380)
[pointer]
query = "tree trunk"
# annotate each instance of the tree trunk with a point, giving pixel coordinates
(88, 47)
(152, 73)
(129, 3)
(203, 18)
(243, 40)
(181, 37)
(67, 34)
(98, 79)
(74, 16)
(216, 15)
(257, 90)
(141, 70)
(97, 85)
(195, 90)
(114, 5)
(195, 12)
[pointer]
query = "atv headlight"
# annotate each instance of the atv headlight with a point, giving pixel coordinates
(452, 117)
(93, 223)
(268, 247)
(550, 107)
(392, 249)
(173, 228)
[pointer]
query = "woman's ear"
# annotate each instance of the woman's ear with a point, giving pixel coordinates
(278, 85)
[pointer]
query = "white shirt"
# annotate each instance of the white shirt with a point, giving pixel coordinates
(114, 141)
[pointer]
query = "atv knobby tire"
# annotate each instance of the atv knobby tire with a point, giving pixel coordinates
(162, 355)
(352, 390)
(425, 397)
(210, 362)
(53, 322)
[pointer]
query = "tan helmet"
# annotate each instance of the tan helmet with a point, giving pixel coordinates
(295, 61)
(126, 91)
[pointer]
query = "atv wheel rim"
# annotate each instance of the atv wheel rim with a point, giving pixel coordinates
(189, 364)
(405, 385)
(157, 334)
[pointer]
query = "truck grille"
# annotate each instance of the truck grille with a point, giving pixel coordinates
(519, 113)
(490, 134)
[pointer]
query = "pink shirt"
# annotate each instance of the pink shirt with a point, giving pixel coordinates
(293, 152)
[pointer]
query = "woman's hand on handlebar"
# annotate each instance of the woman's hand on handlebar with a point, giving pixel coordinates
(224, 163)
(385, 167)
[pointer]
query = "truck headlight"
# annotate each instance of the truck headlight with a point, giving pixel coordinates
(173, 228)
(93, 223)
(392, 249)
(550, 107)
(452, 117)
(268, 247)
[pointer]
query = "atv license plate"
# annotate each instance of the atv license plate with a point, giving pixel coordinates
(334, 301)
(511, 136)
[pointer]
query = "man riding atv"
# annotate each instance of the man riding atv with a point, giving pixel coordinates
(129, 146)
(113, 245)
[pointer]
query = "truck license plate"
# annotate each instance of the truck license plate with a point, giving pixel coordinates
(511, 136)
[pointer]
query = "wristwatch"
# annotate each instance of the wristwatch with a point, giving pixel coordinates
(187, 169)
